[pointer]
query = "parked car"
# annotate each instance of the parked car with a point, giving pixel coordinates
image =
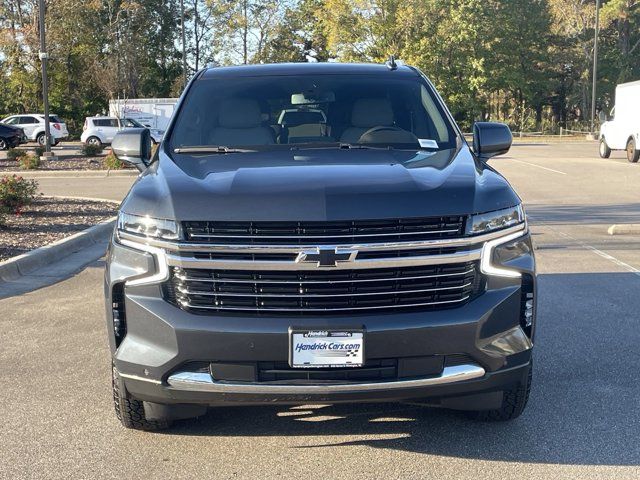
(33, 126)
(11, 137)
(101, 130)
(622, 132)
(353, 249)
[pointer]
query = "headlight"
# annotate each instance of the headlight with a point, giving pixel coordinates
(147, 226)
(496, 220)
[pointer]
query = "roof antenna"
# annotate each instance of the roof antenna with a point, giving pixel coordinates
(391, 63)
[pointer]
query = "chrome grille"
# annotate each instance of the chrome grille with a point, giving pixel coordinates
(323, 291)
(330, 233)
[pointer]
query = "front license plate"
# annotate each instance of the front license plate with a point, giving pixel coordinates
(326, 349)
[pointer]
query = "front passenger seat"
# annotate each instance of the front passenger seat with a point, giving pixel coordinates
(366, 114)
(240, 121)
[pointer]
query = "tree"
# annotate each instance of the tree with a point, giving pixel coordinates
(244, 27)
(299, 37)
(622, 18)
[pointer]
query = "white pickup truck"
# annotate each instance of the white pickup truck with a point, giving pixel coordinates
(622, 132)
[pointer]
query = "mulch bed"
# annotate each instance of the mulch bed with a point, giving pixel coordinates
(47, 220)
(64, 163)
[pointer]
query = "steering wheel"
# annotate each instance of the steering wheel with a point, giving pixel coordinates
(381, 128)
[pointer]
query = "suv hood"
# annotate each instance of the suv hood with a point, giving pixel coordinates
(318, 185)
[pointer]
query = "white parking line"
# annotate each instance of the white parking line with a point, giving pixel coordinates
(539, 166)
(600, 253)
(620, 263)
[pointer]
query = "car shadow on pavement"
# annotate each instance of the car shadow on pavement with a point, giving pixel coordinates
(583, 406)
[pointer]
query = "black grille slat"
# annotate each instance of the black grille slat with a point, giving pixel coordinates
(373, 370)
(333, 233)
(425, 287)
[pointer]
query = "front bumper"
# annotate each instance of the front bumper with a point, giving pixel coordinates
(162, 342)
(455, 388)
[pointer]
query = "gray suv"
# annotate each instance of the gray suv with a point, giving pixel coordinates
(318, 233)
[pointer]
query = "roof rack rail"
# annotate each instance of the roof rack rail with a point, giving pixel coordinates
(391, 63)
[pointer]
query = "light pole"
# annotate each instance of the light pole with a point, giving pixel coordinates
(595, 70)
(44, 57)
(184, 48)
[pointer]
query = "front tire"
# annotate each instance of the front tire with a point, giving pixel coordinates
(514, 402)
(633, 154)
(605, 151)
(3, 144)
(130, 411)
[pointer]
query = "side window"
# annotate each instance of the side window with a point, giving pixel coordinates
(105, 122)
(28, 120)
(12, 121)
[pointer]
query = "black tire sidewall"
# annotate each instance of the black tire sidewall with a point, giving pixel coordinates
(634, 156)
(3, 144)
(603, 149)
(94, 141)
(41, 139)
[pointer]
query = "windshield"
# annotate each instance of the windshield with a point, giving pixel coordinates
(312, 111)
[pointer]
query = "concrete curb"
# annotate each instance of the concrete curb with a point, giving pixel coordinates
(91, 199)
(72, 173)
(625, 229)
(16, 267)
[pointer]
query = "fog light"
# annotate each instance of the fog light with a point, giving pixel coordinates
(506, 343)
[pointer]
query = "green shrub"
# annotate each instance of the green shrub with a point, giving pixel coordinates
(91, 150)
(15, 193)
(38, 151)
(29, 162)
(111, 162)
(15, 154)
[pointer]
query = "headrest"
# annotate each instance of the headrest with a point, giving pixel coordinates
(293, 118)
(239, 113)
(371, 112)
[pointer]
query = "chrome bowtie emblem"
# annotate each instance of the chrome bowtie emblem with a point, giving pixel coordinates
(327, 257)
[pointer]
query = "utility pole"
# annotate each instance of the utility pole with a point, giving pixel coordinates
(595, 70)
(44, 57)
(184, 47)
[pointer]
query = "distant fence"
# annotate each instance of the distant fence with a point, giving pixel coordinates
(564, 132)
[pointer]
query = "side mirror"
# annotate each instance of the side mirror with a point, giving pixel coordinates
(603, 117)
(491, 139)
(133, 146)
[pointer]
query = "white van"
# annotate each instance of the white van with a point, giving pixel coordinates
(622, 132)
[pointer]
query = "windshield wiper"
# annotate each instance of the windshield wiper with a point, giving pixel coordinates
(357, 146)
(342, 146)
(211, 149)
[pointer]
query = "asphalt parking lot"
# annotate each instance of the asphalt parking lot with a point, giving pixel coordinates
(582, 422)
